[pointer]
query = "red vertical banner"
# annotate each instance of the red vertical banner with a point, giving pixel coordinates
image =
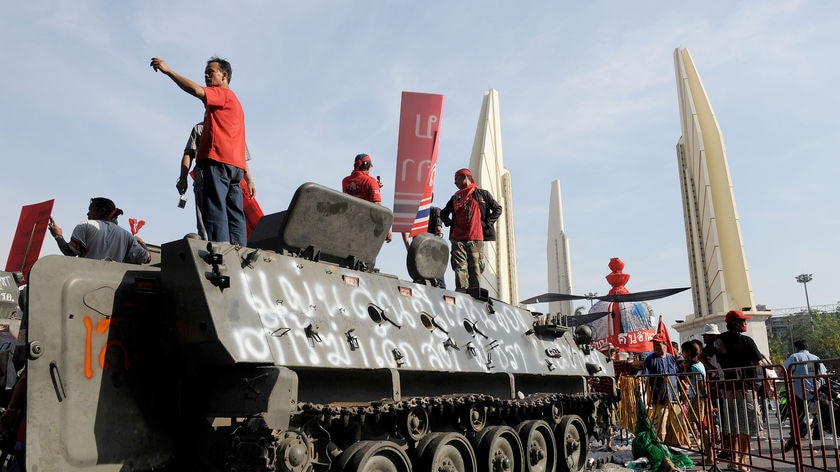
(417, 151)
(29, 237)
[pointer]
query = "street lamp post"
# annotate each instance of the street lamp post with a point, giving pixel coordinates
(804, 279)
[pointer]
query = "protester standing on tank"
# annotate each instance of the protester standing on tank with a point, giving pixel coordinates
(472, 213)
(190, 151)
(220, 159)
(99, 237)
(805, 366)
(738, 354)
(661, 387)
(361, 184)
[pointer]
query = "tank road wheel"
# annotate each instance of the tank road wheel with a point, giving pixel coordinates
(475, 418)
(499, 449)
(373, 456)
(294, 453)
(555, 412)
(571, 443)
(416, 423)
(540, 449)
(445, 452)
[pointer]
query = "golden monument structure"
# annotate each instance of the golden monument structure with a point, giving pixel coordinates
(720, 278)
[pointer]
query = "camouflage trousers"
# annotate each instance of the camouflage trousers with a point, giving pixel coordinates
(467, 262)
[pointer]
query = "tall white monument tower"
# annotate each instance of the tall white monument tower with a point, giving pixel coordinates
(559, 264)
(488, 168)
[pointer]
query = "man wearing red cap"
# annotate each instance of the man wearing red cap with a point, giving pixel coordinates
(361, 184)
(738, 354)
(661, 390)
(472, 213)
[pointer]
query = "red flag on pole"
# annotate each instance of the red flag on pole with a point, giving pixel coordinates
(29, 236)
(662, 329)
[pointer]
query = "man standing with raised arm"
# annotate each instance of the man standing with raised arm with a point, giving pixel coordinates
(220, 160)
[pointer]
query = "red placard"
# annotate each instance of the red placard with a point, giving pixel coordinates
(29, 237)
(417, 149)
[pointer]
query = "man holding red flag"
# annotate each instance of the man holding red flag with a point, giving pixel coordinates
(661, 390)
(662, 330)
(99, 237)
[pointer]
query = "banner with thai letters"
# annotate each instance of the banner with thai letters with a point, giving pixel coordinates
(29, 237)
(417, 151)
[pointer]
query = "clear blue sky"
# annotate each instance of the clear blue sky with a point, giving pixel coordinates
(587, 93)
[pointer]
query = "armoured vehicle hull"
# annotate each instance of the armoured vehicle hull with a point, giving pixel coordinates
(298, 359)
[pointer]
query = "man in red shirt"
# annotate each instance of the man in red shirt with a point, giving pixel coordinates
(472, 213)
(220, 160)
(361, 184)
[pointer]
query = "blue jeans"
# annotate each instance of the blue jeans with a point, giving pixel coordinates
(218, 198)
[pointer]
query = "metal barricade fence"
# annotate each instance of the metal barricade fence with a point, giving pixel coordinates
(743, 418)
(813, 400)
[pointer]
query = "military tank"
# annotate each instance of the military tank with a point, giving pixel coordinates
(296, 354)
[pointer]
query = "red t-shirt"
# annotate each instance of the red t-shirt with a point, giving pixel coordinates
(466, 224)
(362, 185)
(223, 137)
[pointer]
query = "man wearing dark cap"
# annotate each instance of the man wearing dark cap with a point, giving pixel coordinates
(361, 184)
(738, 355)
(661, 389)
(472, 213)
(99, 237)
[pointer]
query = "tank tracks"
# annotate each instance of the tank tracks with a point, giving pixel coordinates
(448, 433)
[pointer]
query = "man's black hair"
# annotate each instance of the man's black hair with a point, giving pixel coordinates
(223, 64)
(800, 345)
(109, 209)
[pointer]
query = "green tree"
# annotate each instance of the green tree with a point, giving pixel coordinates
(821, 331)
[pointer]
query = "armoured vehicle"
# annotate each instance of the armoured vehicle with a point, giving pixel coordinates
(295, 354)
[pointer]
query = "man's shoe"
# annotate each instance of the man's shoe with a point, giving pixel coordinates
(789, 444)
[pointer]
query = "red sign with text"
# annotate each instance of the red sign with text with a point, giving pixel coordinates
(417, 150)
(29, 237)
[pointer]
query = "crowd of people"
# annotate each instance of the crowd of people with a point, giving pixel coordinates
(717, 389)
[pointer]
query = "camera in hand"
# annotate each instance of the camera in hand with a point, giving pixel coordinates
(183, 201)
